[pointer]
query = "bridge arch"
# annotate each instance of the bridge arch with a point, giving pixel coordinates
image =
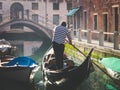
(30, 24)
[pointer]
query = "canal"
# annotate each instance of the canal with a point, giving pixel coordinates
(35, 45)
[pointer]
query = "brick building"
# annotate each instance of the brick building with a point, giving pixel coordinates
(96, 16)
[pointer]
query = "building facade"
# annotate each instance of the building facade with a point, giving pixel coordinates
(98, 17)
(46, 12)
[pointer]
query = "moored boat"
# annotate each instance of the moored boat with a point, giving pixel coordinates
(18, 69)
(72, 74)
(112, 66)
(5, 49)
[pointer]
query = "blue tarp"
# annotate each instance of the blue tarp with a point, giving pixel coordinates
(22, 61)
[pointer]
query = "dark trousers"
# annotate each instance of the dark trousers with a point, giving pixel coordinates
(58, 51)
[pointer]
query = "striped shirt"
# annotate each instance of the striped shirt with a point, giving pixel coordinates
(60, 34)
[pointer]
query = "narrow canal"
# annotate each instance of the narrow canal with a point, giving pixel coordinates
(33, 45)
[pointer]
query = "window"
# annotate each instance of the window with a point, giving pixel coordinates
(0, 5)
(55, 0)
(34, 6)
(95, 22)
(116, 18)
(69, 6)
(75, 0)
(56, 19)
(85, 20)
(105, 25)
(55, 6)
(1, 18)
(105, 22)
(35, 18)
(27, 13)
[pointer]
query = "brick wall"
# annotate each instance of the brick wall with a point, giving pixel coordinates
(100, 8)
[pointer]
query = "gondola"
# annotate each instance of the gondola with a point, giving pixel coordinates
(73, 73)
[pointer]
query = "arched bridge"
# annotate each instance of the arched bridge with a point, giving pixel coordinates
(30, 24)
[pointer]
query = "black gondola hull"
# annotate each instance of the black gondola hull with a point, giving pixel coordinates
(68, 77)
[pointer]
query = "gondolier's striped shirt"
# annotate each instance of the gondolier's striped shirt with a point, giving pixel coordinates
(60, 34)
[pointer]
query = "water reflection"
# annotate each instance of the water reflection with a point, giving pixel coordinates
(31, 47)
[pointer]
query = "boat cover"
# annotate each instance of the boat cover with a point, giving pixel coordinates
(112, 63)
(22, 61)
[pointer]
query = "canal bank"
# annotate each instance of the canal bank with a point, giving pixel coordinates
(100, 51)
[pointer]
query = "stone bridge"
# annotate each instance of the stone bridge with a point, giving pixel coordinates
(39, 28)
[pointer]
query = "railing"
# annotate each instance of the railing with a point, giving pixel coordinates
(98, 37)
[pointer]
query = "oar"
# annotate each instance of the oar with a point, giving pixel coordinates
(76, 48)
(87, 57)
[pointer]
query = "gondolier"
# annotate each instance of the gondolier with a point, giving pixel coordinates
(60, 33)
